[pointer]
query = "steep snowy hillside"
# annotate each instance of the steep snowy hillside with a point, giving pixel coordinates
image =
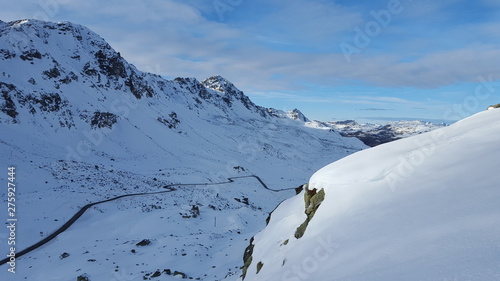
(376, 134)
(418, 209)
(81, 125)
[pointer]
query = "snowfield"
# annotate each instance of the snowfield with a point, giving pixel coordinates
(425, 208)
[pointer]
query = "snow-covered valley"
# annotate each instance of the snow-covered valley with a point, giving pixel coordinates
(82, 125)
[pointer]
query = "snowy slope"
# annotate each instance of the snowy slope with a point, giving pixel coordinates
(80, 125)
(422, 208)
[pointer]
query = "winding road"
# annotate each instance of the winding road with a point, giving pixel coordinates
(82, 210)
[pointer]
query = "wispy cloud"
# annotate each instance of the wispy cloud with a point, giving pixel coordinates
(403, 118)
(386, 99)
(375, 109)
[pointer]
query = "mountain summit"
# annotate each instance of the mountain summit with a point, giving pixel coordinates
(230, 93)
(220, 84)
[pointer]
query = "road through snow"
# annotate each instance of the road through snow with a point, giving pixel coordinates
(82, 210)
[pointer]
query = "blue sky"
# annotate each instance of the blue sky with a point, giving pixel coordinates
(373, 61)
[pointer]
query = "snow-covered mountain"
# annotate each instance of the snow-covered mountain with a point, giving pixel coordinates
(418, 209)
(376, 134)
(293, 114)
(81, 125)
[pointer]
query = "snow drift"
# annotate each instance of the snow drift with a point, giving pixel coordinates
(422, 208)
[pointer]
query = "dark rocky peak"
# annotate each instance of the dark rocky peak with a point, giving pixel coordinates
(231, 94)
(220, 84)
(295, 114)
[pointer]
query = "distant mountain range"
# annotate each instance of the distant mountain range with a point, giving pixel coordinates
(375, 134)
